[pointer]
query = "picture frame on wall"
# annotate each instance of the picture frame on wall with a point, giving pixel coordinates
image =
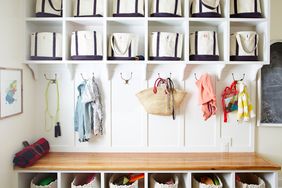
(270, 88)
(11, 92)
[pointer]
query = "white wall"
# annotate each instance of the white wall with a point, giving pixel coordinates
(268, 140)
(15, 129)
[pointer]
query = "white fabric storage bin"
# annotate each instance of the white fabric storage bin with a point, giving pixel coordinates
(123, 46)
(165, 46)
(46, 46)
(250, 181)
(48, 8)
(95, 183)
(115, 177)
(36, 180)
(166, 8)
(157, 181)
(88, 8)
(128, 8)
(205, 8)
(86, 45)
(245, 9)
(244, 46)
(197, 184)
(204, 46)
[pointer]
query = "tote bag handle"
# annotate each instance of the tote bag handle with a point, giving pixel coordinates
(116, 48)
(239, 41)
(53, 7)
(211, 4)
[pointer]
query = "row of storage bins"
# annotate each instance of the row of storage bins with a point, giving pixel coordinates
(246, 180)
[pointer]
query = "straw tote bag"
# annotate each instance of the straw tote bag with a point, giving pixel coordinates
(205, 8)
(158, 101)
(166, 8)
(88, 8)
(165, 46)
(123, 46)
(46, 46)
(48, 8)
(128, 8)
(86, 45)
(204, 46)
(244, 46)
(245, 9)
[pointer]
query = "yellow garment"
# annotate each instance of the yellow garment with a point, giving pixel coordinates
(245, 109)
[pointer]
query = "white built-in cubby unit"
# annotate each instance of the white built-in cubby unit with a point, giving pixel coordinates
(65, 178)
(142, 26)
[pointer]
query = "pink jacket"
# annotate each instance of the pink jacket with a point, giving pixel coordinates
(207, 98)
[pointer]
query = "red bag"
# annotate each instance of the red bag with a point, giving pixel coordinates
(229, 99)
(31, 153)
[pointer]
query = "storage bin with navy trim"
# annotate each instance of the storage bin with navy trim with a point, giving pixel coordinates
(165, 46)
(48, 8)
(245, 9)
(86, 45)
(88, 8)
(204, 46)
(205, 8)
(166, 8)
(46, 46)
(128, 8)
(244, 46)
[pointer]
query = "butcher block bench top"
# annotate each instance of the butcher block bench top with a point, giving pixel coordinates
(58, 161)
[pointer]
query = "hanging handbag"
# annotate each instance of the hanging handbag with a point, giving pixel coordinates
(229, 99)
(48, 8)
(88, 8)
(31, 153)
(166, 8)
(46, 46)
(244, 46)
(205, 8)
(86, 45)
(162, 99)
(128, 8)
(165, 46)
(123, 46)
(204, 46)
(245, 9)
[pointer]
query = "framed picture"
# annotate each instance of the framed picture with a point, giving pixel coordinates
(11, 92)
(270, 87)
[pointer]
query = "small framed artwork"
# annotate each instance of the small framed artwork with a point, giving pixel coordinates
(11, 92)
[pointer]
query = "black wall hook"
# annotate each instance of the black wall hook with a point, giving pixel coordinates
(195, 75)
(239, 79)
(126, 81)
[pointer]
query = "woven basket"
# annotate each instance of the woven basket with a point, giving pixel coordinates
(197, 184)
(250, 181)
(95, 183)
(156, 181)
(116, 176)
(37, 178)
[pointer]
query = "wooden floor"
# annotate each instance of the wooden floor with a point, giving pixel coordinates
(152, 162)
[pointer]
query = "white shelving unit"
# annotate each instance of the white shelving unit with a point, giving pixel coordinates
(185, 177)
(143, 26)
